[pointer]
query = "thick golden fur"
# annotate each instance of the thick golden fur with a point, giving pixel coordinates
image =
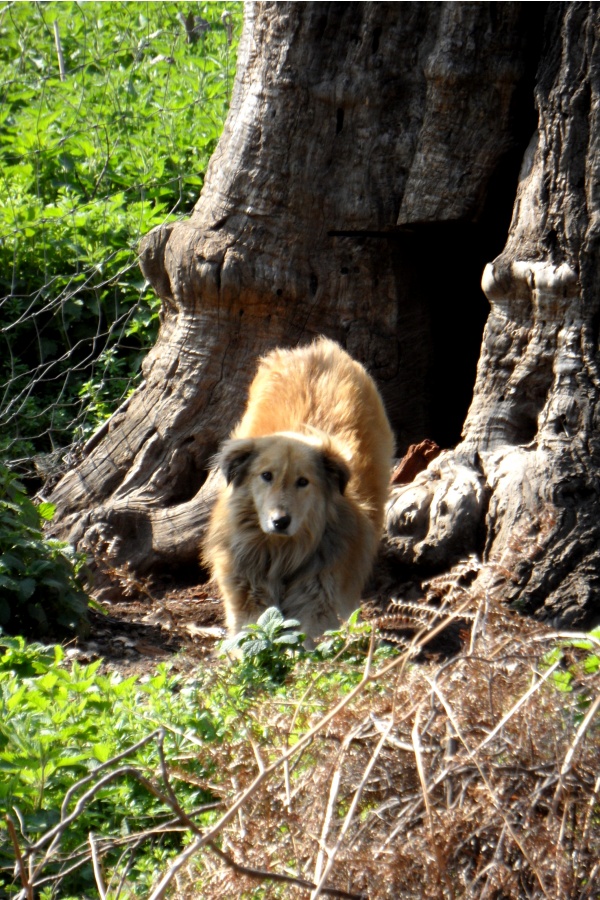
(307, 471)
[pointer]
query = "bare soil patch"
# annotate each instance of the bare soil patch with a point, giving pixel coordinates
(136, 624)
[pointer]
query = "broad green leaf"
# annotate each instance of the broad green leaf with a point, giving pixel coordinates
(103, 752)
(271, 616)
(27, 588)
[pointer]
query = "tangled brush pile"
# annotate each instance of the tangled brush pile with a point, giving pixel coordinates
(473, 777)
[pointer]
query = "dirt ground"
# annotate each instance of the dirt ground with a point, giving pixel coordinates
(135, 624)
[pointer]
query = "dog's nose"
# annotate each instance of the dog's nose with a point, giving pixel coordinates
(280, 523)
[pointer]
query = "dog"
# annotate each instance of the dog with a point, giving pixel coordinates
(306, 472)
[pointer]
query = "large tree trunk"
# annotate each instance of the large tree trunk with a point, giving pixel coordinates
(366, 167)
(531, 438)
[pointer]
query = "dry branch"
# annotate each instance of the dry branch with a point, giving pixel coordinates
(27, 885)
(581, 731)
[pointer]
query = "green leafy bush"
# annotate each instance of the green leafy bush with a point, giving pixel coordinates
(60, 724)
(64, 727)
(268, 647)
(90, 160)
(40, 589)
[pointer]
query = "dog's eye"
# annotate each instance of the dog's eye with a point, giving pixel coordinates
(302, 481)
(267, 476)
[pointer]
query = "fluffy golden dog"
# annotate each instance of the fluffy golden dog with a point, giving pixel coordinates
(298, 520)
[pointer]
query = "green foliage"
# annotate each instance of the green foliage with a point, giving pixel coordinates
(578, 658)
(63, 726)
(271, 653)
(350, 642)
(59, 724)
(268, 647)
(26, 659)
(88, 164)
(40, 590)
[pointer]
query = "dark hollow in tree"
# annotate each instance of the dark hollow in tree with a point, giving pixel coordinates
(366, 174)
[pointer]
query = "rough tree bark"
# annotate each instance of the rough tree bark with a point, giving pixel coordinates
(353, 190)
(531, 440)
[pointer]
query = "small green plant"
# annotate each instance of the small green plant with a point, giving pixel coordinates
(349, 641)
(579, 658)
(40, 587)
(268, 648)
(24, 659)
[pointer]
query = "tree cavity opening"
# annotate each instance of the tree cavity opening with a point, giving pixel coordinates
(442, 312)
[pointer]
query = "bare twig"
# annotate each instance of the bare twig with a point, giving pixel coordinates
(94, 775)
(27, 885)
(592, 883)
(96, 867)
(288, 785)
(494, 864)
(59, 52)
(257, 756)
(160, 890)
(416, 741)
(333, 793)
(278, 877)
(591, 806)
(498, 806)
(320, 887)
(583, 727)
(553, 636)
(56, 833)
(534, 687)
(66, 820)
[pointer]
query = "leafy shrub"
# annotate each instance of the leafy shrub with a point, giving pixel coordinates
(40, 590)
(61, 723)
(349, 642)
(267, 647)
(90, 161)
(64, 727)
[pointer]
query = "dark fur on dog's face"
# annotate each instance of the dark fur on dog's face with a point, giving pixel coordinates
(290, 479)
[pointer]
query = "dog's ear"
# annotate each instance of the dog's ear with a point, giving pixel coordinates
(233, 459)
(336, 470)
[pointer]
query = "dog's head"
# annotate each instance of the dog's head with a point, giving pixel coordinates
(290, 478)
